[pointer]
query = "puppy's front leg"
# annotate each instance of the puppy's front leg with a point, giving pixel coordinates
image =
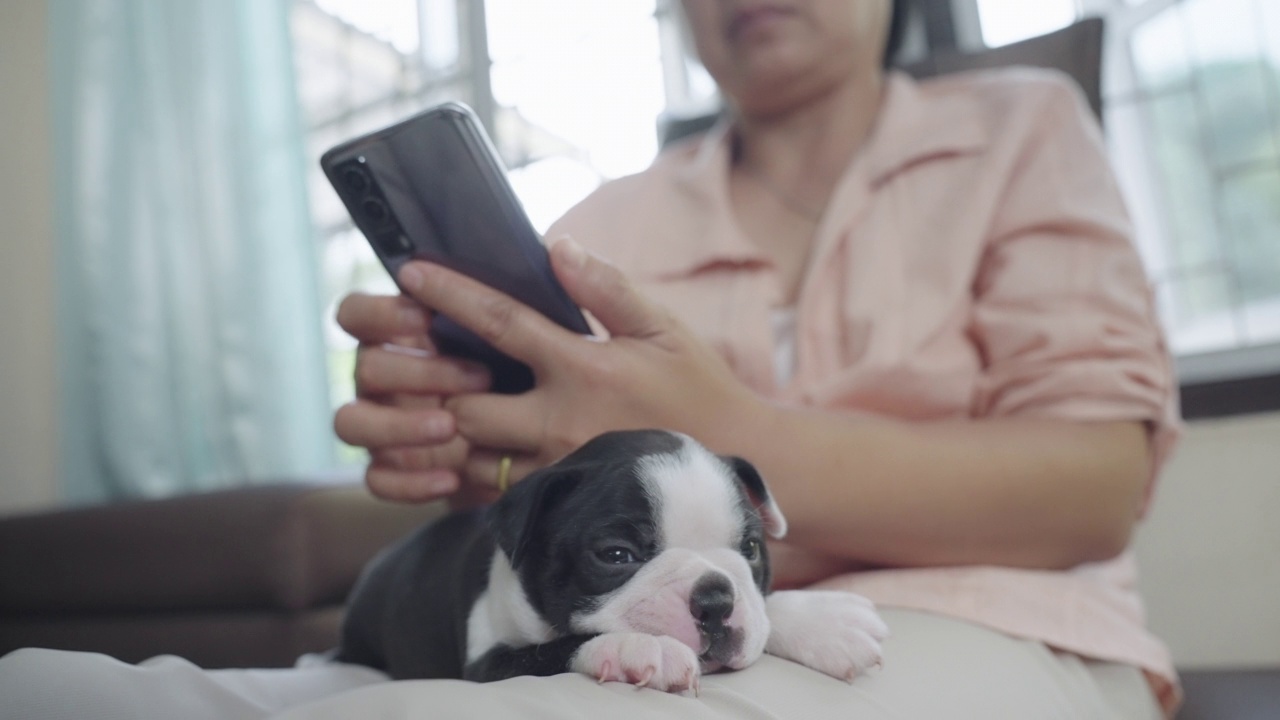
(836, 633)
(504, 661)
(653, 661)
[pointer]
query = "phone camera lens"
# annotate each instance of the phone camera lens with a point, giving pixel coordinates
(375, 210)
(394, 243)
(355, 181)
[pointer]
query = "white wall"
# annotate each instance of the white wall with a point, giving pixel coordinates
(1209, 552)
(28, 406)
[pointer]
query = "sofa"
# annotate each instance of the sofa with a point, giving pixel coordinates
(250, 577)
(257, 576)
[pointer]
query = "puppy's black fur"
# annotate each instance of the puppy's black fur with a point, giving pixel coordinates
(401, 618)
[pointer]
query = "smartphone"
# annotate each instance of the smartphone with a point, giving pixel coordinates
(432, 187)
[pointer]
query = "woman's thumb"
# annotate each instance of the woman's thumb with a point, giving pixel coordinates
(603, 290)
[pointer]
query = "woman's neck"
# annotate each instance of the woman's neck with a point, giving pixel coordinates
(807, 148)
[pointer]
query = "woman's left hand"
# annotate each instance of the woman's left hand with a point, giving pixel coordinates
(650, 372)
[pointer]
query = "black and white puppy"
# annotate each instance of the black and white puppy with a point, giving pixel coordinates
(639, 558)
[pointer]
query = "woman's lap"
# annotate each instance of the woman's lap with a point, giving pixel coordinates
(934, 667)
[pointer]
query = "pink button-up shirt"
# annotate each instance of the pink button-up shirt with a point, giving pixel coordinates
(974, 261)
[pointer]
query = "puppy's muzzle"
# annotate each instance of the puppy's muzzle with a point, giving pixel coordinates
(711, 605)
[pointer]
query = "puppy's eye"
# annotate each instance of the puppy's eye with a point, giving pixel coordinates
(617, 556)
(751, 549)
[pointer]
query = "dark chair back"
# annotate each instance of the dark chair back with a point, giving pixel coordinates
(1075, 50)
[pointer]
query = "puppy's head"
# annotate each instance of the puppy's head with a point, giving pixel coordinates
(646, 531)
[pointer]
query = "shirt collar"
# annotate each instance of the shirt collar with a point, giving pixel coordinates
(913, 127)
(916, 126)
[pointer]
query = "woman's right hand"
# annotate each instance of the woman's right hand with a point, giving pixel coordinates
(415, 453)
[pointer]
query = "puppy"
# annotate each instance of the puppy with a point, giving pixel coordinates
(639, 558)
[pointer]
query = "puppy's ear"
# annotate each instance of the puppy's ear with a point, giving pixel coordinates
(515, 517)
(774, 523)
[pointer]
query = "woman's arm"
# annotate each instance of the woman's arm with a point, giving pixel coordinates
(1044, 494)
(1038, 494)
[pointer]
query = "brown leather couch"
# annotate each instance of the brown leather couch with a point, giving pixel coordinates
(241, 578)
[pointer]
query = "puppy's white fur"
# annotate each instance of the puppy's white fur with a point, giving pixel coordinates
(836, 633)
(503, 614)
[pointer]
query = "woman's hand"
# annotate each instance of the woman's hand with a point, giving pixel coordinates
(650, 372)
(414, 450)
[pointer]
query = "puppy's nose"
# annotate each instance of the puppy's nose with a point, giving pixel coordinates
(711, 602)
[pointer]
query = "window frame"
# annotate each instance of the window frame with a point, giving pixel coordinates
(1233, 381)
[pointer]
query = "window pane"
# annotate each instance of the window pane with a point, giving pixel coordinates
(1202, 318)
(1161, 57)
(392, 21)
(1185, 180)
(340, 67)
(584, 70)
(1222, 30)
(1269, 31)
(1251, 215)
(1262, 321)
(441, 46)
(1128, 133)
(1241, 128)
(1008, 21)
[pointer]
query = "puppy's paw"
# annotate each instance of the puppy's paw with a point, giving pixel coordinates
(653, 661)
(836, 633)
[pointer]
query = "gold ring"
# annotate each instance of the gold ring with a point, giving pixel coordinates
(504, 473)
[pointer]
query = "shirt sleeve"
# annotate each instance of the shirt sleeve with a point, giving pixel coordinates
(1064, 314)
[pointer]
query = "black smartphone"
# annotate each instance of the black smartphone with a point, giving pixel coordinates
(432, 187)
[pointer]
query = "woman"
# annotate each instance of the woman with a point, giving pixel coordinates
(915, 307)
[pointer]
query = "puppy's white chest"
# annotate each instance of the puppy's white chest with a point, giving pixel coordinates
(503, 614)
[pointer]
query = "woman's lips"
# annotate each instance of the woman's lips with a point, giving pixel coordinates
(757, 19)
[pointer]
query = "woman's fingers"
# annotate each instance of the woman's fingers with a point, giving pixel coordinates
(388, 368)
(449, 455)
(417, 474)
(421, 475)
(497, 421)
(373, 425)
(377, 319)
(416, 454)
(410, 486)
(502, 322)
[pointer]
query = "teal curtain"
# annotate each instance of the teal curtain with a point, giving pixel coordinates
(190, 328)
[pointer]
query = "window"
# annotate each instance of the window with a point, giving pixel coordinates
(1008, 21)
(1192, 106)
(585, 79)
(1207, 87)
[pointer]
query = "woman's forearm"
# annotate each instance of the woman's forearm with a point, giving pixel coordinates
(1024, 493)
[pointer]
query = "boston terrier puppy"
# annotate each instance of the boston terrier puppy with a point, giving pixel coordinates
(638, 558)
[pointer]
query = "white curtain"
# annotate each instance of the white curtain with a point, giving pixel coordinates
(191, 346)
